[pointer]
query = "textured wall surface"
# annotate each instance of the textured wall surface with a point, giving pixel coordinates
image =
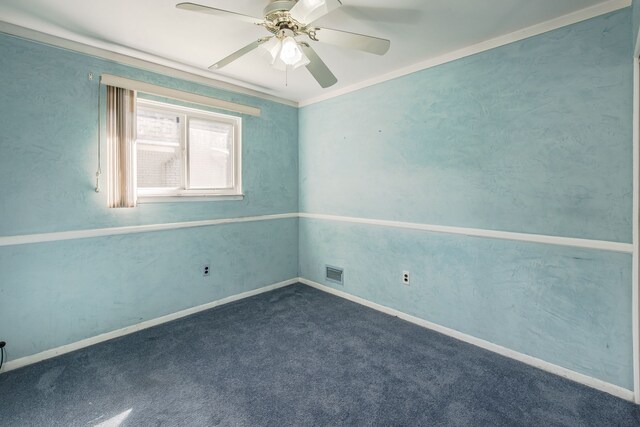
(57, 293)
(564, 305)
(48, 120)
(532, 137)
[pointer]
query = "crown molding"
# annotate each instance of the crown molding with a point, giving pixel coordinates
(175, 69)
(140, 60)
(553, 24)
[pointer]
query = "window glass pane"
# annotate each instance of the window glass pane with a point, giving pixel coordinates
(210, 154)
(158, 126)
(159, 166)
(159, 151)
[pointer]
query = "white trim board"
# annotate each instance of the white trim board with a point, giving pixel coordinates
(142, 61)
(476, 232)
(132, 229)
(525, 33)
(473, 232)
(635, 291)
(512, 354)
(48, 354)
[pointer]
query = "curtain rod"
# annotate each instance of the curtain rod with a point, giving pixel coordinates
(122, 82)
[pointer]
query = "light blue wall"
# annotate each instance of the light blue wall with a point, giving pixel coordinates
(48, 121)
(57, 293)
(570, 307)
(532, 137)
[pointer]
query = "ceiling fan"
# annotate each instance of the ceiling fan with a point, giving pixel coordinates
(288, 19)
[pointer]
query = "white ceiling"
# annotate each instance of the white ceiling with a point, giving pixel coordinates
(418, 30)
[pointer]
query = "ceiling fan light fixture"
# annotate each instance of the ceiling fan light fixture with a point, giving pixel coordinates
(272, 48)
(290, 53)
(285, 53)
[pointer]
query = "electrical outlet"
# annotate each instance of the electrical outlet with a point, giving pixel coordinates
(406, 278)
(206, 270)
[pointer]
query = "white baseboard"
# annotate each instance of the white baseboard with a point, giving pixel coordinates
(529, 360)
(47, 354)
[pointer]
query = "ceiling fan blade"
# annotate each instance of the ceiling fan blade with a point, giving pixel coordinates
(307, 11)
(353, 41)
(237, 54)
(218, 12)
(318, 68)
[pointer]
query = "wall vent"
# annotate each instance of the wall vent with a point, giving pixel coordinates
(334, 275)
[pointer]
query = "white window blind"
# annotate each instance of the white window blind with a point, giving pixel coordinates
(121, 135)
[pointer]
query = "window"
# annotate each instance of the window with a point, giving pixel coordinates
(186, 152)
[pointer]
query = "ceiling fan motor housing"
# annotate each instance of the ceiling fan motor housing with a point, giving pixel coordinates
(278, 20)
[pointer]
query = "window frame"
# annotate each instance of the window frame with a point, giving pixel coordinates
(161, 194)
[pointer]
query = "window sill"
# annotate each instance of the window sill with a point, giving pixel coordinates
(180, 199)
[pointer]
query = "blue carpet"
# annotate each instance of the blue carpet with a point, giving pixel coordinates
(294, 357)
